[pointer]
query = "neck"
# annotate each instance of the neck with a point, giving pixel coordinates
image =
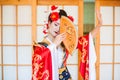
(50, 37)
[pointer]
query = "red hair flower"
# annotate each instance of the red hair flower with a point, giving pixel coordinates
(71, 18)
(54, 16)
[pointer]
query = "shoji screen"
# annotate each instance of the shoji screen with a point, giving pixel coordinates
(19, 26)
(42, 14)
(15, 42)
(110, 43)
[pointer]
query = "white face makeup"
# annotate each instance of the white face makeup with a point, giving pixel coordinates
(54, 28)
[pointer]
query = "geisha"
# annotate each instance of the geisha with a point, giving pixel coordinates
(50, 55)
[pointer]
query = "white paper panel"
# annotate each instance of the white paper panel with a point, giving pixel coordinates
(42, 14)
(106, 53)
(117, 15)
(0, 55)
(0, 73)
(107, 15)
(24, 73)
(10, 73)
(76, 27)
(106, 72)
(117, 35)
(24, 35)
(0, 35)
(106, 35)
(73, 59)
(9, 14)
(9, 55)
(73, 71)
(40, 34)
(117, 72)
(72, 11)
(24, 15)
(117, 53)
(9, 35)
(24, 54)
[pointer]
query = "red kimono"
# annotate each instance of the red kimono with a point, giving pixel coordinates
(42, 63)
(83, 46)
(88, 57)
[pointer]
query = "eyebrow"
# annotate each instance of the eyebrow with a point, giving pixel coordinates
(57, 23)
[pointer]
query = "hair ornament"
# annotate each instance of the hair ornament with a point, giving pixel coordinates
(53, 7)
(71, 18)
(54, 16)
(45, 29)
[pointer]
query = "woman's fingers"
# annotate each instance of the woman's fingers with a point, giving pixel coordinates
(63, 35)
(59, 38)
(99, 17)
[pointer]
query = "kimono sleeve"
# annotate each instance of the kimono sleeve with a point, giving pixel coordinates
(88, 57)
(83, 46)
(41, 63)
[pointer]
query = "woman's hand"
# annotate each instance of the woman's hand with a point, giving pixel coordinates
(99, 24)
(99, 18)
(59, 38)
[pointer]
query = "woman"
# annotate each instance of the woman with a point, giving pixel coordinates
(50, 55)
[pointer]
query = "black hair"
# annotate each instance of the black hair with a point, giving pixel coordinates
(62, 13)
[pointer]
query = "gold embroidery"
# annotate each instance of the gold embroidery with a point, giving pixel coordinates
(37, 64)
(45, 73)
(36, 44)
(83, 42)
(86, 76)
(61, 70)
(37, 57)
(84, 57)
(46, 41)
(61, 77)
